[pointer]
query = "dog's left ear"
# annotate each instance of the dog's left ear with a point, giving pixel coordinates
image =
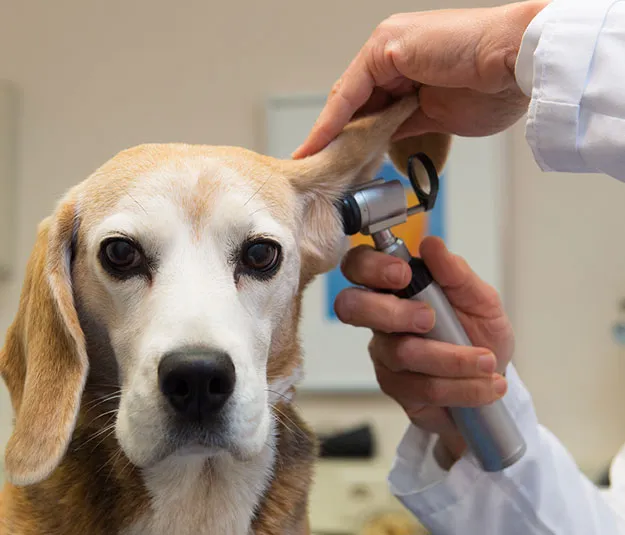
(351, 159)
(44, 361)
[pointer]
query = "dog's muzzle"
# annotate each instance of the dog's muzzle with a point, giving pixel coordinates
(197, 383)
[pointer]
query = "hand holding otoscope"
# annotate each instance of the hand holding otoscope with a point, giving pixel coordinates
(373, 209)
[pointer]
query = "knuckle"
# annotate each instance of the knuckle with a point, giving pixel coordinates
(372, 347)
(492, 73)
(392, 25)
(386, 386)
(395, 317)
(404, 354)
(462, 261)
(383, 29)
(491, 296)
(474, 393)
(336, 87)
(433, 106)
(434, 392)
(456, 364)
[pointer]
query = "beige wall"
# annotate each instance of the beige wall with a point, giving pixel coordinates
(97, 77)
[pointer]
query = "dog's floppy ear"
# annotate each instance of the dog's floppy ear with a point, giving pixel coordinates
(44, 361)
(351, 159)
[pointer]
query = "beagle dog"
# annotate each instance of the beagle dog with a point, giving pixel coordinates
(153, 358)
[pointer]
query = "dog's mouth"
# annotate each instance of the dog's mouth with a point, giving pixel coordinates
(224, 435)
(195, 439)
(188, 440)
(198, 436)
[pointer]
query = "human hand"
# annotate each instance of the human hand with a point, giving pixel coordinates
(422, 375)
(462, 61)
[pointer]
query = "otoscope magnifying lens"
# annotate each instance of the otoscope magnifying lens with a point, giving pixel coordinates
(421, 175)
(424, 179)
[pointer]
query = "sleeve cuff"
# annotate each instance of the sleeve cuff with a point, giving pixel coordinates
(552, 68)
(418, 481)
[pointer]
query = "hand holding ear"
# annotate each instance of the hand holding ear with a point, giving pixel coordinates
(463, 60)
(422, 375)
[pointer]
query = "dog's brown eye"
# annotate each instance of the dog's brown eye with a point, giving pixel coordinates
(262, 257)
(121, 255)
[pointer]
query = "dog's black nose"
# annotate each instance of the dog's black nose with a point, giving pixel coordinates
(197, 383)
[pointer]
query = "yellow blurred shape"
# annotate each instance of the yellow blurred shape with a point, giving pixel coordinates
(393, 523)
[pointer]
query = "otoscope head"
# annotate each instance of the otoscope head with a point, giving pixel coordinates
(380, 205)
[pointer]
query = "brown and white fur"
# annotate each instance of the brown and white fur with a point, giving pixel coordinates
(94, 448)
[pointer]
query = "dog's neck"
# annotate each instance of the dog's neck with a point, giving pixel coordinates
(96, 490)
(192, 494)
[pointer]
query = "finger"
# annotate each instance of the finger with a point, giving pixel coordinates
(430, 357)
(418, 124)
(467, 112)
(365, 266)
(461, 284)
(380, 99)
(349, 93)
(464, 112)
(435, 420)
(383, 312)
(373, 67)
(411, 390)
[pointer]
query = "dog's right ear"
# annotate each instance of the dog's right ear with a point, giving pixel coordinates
(44, 361)
(350, 160)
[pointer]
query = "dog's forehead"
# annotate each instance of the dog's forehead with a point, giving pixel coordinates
(193, 177)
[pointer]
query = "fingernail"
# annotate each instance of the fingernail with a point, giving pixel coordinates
(487, 363)
(424, 319)
(500, 386)
(394, 274)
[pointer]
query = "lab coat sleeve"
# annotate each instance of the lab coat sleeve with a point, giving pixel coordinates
(572, 65)
(544, 493)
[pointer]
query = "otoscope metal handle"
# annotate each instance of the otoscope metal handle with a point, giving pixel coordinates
(490, 432)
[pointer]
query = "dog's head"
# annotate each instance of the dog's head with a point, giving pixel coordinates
(173, 276)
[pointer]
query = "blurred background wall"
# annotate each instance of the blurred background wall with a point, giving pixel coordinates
(97, 77)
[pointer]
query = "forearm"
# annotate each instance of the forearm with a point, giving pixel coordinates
(543, 493)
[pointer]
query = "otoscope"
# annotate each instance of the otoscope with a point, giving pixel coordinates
(373, 209)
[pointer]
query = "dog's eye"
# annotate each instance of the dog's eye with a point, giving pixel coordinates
(261, 256)
(120, 255)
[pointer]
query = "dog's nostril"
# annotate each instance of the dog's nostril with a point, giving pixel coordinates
(180, 389)
(197, 383)
(219, 386)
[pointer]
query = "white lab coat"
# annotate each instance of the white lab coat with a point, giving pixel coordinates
(572, 64)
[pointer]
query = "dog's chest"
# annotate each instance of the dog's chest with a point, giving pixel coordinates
(195, 498)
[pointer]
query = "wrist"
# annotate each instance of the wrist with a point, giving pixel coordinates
(517, 17)
(448, 450)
